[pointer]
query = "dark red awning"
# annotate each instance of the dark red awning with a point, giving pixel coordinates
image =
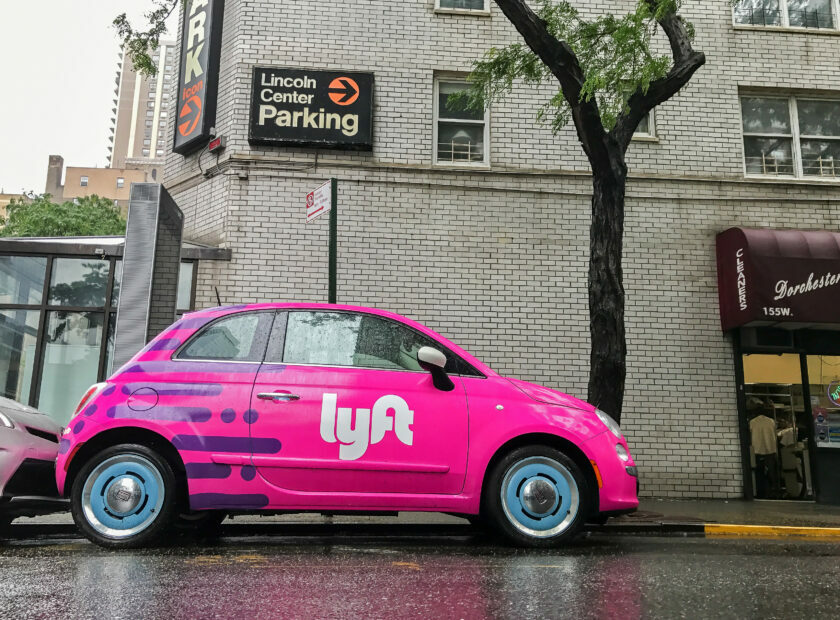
(769, 276)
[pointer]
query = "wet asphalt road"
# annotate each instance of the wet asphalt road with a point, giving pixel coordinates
(449, 576)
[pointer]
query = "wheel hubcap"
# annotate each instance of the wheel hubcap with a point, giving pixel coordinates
(123, 496)
(540, 497)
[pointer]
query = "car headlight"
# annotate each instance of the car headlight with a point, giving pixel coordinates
(609, 422)
(6, 421)
(622, 453)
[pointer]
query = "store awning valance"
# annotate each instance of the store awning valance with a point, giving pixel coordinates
(789, 278)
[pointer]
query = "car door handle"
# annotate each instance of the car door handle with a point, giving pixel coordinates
(278, 396)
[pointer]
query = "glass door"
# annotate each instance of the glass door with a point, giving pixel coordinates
(780, 427)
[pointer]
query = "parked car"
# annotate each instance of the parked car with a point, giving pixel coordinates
(28, 449)
(316, 408)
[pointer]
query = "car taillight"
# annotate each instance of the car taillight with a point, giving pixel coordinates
(92, 391)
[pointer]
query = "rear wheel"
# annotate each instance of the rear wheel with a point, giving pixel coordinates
(537, 497)
(124, 497)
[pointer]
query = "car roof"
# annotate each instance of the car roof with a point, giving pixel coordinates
(223, 310)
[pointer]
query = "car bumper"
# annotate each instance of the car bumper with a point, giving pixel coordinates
(619, 480)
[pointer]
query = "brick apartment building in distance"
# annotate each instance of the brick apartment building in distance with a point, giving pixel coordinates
(137, 141)
(478, 224)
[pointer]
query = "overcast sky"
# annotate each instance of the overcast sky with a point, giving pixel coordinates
(58, 62)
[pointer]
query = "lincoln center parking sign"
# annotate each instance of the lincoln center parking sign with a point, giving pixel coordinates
(322, 109)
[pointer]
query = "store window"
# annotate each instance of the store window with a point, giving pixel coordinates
(787, 13)
(18, 336)
(824, 380)
(461, 136)
(791, 136)
(22, 279)
(780, 428)
(481, 6)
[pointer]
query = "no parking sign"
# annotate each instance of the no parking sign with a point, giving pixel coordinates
(318, 202)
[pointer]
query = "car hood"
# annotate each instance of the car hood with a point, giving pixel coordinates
(28, 416)
(551, 397)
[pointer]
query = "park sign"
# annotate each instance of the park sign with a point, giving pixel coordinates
(320, 109)
(198, 82)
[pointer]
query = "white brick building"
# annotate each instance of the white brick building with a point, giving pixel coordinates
(494, 255)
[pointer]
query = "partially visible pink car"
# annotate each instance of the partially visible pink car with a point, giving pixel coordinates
(304, 407)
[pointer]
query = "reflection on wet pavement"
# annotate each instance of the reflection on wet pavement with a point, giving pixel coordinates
(275, 577)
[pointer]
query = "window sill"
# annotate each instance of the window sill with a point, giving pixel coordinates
(795, 180)
(460, 166)
(832, 32)
(474, 12)
(649, 139)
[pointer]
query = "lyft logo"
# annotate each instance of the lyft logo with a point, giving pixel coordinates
(390, 413)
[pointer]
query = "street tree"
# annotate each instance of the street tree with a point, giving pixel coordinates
(40, 217)
(609, 78)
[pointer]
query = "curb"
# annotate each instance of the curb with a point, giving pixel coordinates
(722, 530)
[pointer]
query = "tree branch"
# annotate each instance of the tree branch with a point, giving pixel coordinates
(686, 63)
(563, 64)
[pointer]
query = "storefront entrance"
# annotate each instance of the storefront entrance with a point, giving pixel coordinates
(779, 294)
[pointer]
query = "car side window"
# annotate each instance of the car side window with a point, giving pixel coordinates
(358, 340)
(235, 338)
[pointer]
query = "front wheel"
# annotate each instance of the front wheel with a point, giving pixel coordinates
(124, 497)
(537, 497)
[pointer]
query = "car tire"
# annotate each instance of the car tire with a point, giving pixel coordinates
(537, 496)
(5, 523)
(124, 497)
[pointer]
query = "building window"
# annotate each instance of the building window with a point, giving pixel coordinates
(646, 129)
(461, 136)
(120, 182)
(147, 141)
(462, 5)
(150, 104)
(149, 123)
(83, 181)
(145, 152)
(787, 13)
(791, 136)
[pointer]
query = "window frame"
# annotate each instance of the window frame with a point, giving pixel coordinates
(176, 356)
(453, 79)
(796, 137)
(650, 135)
(785, 24)
(485, 12)
(277, 346)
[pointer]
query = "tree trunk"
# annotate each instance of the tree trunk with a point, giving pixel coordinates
(606, 288)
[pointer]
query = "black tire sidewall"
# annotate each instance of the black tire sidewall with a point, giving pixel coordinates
(156, 529)
(493, 501)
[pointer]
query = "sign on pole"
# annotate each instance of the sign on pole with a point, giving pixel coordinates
(318, 202)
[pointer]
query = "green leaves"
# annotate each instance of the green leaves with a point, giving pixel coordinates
(139, 44)
(614, 53)
(40, 217)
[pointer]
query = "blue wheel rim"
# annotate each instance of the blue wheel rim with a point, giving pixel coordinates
(560, 497)
(128, 477)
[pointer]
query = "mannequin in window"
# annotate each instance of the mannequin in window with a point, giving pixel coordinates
(764, 445)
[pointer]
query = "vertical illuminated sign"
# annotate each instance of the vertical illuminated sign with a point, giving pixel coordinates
(198, 82)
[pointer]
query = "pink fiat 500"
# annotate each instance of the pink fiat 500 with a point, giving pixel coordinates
(302, 407)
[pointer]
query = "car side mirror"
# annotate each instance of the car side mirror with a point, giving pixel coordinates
(434, 361)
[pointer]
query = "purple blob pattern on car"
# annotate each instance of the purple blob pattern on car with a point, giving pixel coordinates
(228, 416)
(91, 409)
(248, 472)
(204, 501)
(165, 344)
(167, 367)
(63, 446)
(108, 390)
(177, 389)
(251, 416)
(78, 426)
(229, 445)
(213, 471)
(170, 414)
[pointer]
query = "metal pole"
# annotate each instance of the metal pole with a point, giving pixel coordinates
(333, 240)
